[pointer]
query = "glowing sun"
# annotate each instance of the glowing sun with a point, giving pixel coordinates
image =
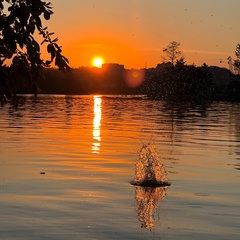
(97, 62)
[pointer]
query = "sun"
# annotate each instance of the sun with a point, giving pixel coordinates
(97, 62)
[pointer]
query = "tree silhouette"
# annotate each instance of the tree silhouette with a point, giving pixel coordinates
(173, 52)
(237, 61)
(180, 82)
(20, 59)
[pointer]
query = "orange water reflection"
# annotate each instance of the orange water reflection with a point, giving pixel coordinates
(97, 110)
(147, 199)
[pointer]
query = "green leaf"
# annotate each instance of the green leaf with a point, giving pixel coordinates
(48, 62)
(45, 40)
(38, 23)
(55, 40)
(53, 53)
(21, 45)
(49, 48)
(36, 45)
(65, 59)
(46, 15)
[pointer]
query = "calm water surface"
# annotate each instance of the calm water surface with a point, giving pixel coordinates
(66, 164)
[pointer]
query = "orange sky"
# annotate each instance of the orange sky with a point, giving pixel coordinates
(134, 32)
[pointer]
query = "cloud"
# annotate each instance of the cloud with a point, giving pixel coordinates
(205, 52)
(188, 51)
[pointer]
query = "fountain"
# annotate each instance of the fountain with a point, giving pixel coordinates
(149, 170)
(150, 183)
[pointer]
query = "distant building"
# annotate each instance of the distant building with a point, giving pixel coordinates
(112, 77)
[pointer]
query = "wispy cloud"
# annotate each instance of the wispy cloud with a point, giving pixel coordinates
(188, 51)
(205, 52)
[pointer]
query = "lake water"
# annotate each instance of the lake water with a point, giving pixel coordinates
(66, 164)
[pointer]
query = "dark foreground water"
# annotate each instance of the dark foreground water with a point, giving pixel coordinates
(66, 164)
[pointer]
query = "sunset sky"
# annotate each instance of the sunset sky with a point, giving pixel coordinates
(134, 32)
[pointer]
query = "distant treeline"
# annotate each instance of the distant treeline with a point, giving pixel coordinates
(179, 82)
(190, 83)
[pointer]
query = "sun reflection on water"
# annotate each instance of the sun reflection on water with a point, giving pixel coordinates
(97, 110)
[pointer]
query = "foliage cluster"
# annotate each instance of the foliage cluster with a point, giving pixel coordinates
(20, 20)
(180, 82)
(176, 81)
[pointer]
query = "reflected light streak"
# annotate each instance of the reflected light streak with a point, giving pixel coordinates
(97, 110)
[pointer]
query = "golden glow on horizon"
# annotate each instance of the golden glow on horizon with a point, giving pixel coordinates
(97, 62)
(110, 49)
(136, 37)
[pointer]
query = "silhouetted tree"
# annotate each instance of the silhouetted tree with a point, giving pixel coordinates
(173, 52)
(237, 61)
(20, 59)
(180, 82)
